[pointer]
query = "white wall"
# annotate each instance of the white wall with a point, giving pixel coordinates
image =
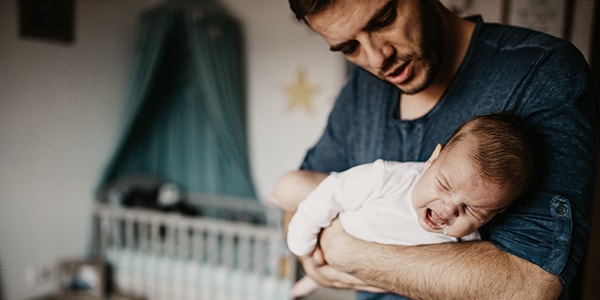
(582, 27)
(60, 107)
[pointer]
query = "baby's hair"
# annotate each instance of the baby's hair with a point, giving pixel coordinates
(501, 145)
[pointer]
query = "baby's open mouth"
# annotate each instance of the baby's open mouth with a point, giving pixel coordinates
(433, 220)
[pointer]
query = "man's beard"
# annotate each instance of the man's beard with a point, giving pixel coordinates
(430, 41)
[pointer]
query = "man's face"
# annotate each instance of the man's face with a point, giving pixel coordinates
(397, 40)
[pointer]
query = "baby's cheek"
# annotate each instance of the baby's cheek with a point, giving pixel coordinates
(466, 227)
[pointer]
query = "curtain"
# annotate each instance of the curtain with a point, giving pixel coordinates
(185, 116)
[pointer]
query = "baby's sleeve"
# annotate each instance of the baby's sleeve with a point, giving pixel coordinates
(338, 192)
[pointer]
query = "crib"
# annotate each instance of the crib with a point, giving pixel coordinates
(155, 255)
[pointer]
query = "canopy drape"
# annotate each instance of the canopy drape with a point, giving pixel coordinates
(185, 118)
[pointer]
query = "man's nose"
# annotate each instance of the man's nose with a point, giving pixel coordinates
(374, 53)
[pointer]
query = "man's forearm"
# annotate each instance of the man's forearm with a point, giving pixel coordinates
(469, 270)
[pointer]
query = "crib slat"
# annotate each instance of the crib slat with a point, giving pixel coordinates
(102, 233)
(167, 256)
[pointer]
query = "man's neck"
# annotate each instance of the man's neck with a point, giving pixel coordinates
(457, 36)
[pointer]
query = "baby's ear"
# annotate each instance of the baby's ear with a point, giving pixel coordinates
(433, 157)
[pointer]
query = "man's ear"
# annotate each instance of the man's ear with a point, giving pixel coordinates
(433, 157)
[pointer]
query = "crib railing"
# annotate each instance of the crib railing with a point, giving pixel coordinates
(158, 255)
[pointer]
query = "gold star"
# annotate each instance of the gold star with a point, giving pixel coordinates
(300, 92)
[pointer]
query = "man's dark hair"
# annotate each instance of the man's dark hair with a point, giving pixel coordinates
(303, 8)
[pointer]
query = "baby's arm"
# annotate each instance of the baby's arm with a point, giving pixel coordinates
(293, 187)
(316, 211)
(338, 192)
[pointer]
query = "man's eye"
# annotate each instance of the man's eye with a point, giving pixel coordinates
(349, 47)
(386, 19)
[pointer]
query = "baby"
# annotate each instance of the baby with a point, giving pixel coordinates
(486, 164)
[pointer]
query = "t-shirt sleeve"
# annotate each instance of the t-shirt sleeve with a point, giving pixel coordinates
(549, 225)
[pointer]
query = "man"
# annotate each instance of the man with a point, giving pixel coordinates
(423, 71)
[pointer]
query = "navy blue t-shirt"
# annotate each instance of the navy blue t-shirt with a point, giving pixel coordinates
(506, 69)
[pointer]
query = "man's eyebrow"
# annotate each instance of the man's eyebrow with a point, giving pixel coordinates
(371, 24)
(374, 21)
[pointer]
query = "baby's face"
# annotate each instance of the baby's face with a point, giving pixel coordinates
(451, 197)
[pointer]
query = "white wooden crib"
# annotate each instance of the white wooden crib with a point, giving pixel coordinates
(156, 255)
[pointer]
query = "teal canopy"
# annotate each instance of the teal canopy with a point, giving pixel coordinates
(185, 117)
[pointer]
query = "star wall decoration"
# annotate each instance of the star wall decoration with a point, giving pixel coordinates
(300, 92)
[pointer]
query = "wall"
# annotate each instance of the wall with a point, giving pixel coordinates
(278, 47)
(60, 107)
(59, 112)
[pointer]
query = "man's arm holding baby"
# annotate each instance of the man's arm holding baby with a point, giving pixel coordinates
(442, 271)
(468, 270)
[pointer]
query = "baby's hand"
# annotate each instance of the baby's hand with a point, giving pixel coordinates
(302, 235)
(300, 246)
(304, 287)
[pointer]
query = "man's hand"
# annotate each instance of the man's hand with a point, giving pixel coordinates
(316, 268)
